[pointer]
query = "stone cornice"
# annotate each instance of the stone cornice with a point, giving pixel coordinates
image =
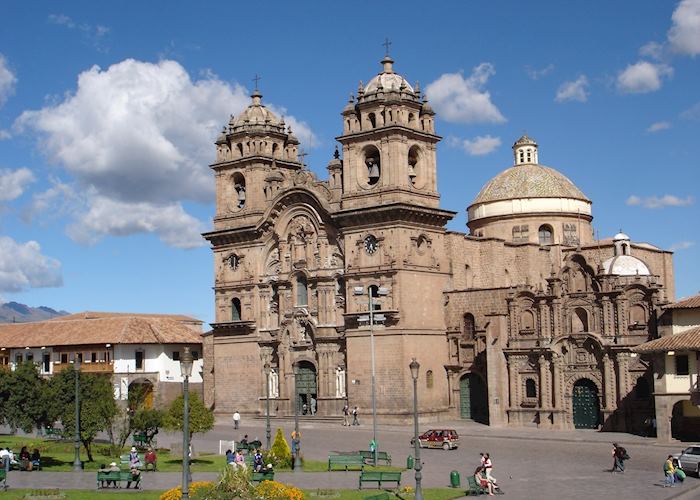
(392, 213)
(384, 130)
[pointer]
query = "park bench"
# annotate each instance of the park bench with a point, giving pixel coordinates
(248, 447)
(139, 439)
(380, 477)
(124, 460)
(381, 455)
(257, 477)
(117, 478)
(52, 433)
(380, 496)
(345, 461)
(474, 488)
(3, 479)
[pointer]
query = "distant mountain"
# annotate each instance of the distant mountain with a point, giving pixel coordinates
(14, 312)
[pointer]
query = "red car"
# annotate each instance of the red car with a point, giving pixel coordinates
(447, 439)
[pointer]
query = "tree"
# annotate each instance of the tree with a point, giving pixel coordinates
(201, 417)
(97, 406)
(280, 453)
(23, 398)
(148, 421)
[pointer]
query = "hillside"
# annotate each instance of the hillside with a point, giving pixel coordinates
(14, 312)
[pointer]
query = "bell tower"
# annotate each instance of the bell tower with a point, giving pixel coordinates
(388, 144)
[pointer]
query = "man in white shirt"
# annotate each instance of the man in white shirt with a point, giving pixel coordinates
(236, 419)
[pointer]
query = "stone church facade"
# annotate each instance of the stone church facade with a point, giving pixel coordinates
(526, 320)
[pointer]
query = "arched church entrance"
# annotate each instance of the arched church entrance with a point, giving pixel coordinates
(306, 388)
(586, 406)
(685, 421)
(473, 401)
(141, 393)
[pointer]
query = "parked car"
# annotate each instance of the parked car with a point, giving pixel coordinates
(689, 459)
(447, 439)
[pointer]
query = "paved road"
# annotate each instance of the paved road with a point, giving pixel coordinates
(529, 463)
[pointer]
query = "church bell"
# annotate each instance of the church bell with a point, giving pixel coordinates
(374, 171)
(241, 193)
(411, 172)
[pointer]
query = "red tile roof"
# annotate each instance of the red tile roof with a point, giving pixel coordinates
(688, 340)
(114, 329)
(687, 303)
(107, 314)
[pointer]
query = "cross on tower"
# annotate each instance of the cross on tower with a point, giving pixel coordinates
(386, 44)
(303, 154)
(256, 80)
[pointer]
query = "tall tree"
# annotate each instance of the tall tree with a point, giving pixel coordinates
(201, 417)
(23, 398)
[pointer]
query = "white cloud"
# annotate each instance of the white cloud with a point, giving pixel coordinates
(58, 200)
(536, 74)
(681, 245)
(667, 200)
(654, 50)
(479, 146)
(140, 133)
(92, 33)
(5, 134)
(684, 35)
(13, 182)
(658, 127)
(8, 80)
(23, 266)
(463, 100)
(692, 113)
(643, 77)
(575, 90)
(105, 216)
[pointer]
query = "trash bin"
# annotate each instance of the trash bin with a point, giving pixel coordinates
(454, 479)
(409, 462)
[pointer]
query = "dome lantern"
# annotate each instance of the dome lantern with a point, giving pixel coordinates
(525, 151)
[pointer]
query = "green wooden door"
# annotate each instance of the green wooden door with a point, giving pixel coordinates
(585, 404)
(465, 401)
(305, 384)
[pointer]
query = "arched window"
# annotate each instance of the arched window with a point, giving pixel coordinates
(302, 291)
(236, 309)
(546, 234)
(411, 120)
(638, 315)
(372, 120)
(373, 165)
(641, 388)
(527, 320)
(374, 293)
(413, 168)
(530, 388)
(239, 188)
(429, 382)
(240, 148)
(469, 326)
(579, 320)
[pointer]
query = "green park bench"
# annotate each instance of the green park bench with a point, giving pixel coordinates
(380, 477)
(139, 439)
(381, 455)
(346, 462)
(124, 460)
(52, 433)
(257, 477)
(380, 496)
(474, 488)
(118, 477)
(3, 479)
(248, 447)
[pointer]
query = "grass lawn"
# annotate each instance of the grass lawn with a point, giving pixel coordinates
(430, 494)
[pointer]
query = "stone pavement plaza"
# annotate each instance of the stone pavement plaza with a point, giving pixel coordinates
(528, 463)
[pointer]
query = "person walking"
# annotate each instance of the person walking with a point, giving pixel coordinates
(346, 414)
(354, 417)
(236, 419)
(669, 472)
(619, 454)
(488, 466)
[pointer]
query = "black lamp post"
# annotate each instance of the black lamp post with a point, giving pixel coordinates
(186, 361)
(297, 455)
(77, 464)
(266, 368)
(415, 366)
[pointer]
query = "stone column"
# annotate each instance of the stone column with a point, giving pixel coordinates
(544, 369)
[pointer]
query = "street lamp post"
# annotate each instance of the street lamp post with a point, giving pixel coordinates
(297, 454)
(186, 361)
(77, 464)
(267, 404)
(415, 366)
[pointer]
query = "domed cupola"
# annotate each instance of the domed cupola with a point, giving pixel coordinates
(531, 203)
(623, 263)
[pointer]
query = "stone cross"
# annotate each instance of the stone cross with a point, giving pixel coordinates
(386, 44)
(256, 80)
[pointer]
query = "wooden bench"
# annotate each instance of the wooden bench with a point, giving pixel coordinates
(118, 477)
(380, 477)
(368, 457)
(346, 462)
(257, 477)
(124, 460)
(474, 488)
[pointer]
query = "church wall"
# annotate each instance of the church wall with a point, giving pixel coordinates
(502, 228)
(208, 377)
(238, 375)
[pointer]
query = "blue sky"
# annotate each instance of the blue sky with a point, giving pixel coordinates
(108, 113)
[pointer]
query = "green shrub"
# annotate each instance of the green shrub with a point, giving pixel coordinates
(281, 454)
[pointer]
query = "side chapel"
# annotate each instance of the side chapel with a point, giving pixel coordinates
(526, 320)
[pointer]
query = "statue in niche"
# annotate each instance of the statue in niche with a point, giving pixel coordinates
(273, 383)
(340, 391)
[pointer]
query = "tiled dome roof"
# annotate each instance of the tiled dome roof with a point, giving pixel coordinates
(529, 181)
